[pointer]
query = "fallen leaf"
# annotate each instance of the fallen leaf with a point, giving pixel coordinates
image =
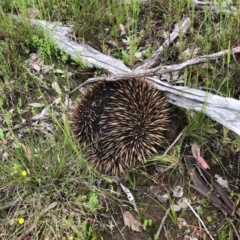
(182, 202)
(221, 181)
(175, 207)
(32, 12)
(189, 237)
(203, 163)
(41, 116)
(56, 87)
(36, 67)
(160, 194)
(189, 53)
(197, 155)
(196, 150)
(132, 222)
(126, 41)
(170, 77)
(138, 55)
(36, 105)
(177, 191)
(28, 152)
(122, 28)
(129, 197)
(181, 222)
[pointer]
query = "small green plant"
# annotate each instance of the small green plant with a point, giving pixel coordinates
(132, 13)
(147, 223)
(47, 48)
(1, 134)
(4, 66)
(93, 203)
(148, 51)
(225, 133)
(43, 45)
(209, 219)
(223, 234)
(200, 211)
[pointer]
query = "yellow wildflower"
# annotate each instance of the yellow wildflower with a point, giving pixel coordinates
(23, 173)
(21, 220)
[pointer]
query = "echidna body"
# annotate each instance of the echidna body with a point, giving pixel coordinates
(86, 114)
(125, 120)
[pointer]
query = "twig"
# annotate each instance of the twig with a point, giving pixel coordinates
(180, 27)
(120, 231)
(195, 213)
(29, 230)
(177, 138)
(161, 224)
(235, 230)
(226, 6)
(162, 69)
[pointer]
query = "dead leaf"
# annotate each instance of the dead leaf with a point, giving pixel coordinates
(189, 53)
(36, 67)
(35, 105)
(56, 87)
(160, 194)
(196, 150)
(41, 116)
(171, 77)
(177, 191)
(138, 55)
(130, 196)
(183, 202)
(197, 155)
(181, 222)
(203, 163)
(28, 152)
(32, 12)
(122, 28)
(175, 207)
(132, 222)
(126, 41)
(221, 181)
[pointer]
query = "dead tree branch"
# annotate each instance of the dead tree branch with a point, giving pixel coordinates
(223, 110)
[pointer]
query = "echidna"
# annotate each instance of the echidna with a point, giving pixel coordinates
(120, 123)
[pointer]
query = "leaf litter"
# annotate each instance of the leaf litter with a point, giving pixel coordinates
(38, 66)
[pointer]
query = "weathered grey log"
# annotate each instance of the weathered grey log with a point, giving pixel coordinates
(83, 53)
(224, 6)
(221, 109)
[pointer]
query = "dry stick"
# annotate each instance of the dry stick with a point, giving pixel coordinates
(162, 69)
(29, 230)
(161, 224)
(181, 28)
(173, 143)
(120, 231)
(235, 230)
(201, 221)
(213, 6)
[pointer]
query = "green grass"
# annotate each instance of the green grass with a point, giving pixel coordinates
(44, 179)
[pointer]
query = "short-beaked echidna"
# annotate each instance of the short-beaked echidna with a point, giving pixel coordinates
(120, 123)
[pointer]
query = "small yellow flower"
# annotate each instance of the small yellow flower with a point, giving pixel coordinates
(21, 220)
(23, 173)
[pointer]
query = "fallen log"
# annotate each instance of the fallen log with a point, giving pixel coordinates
(221, 109)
